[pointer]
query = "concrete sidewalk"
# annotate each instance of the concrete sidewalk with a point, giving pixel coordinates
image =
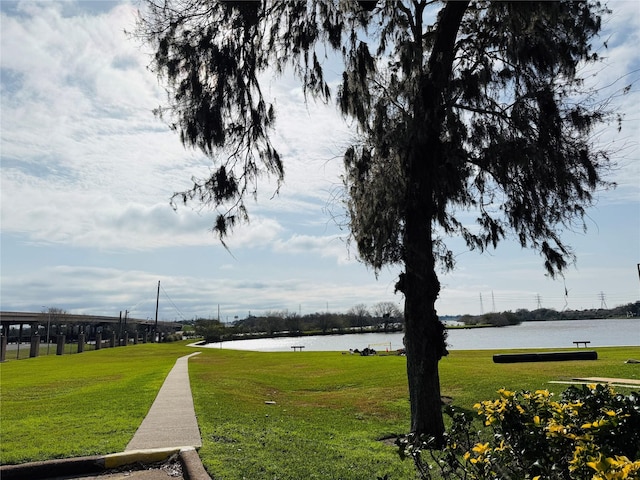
(171, 421)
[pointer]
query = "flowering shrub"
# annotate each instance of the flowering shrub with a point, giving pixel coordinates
(590, 432)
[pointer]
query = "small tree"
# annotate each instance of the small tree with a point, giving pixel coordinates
(388, 312)
(52, 316)
(460, 107)
(361, 313)
(293, 323)
(211, 330)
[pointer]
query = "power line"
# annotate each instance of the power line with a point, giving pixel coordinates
(171, 301)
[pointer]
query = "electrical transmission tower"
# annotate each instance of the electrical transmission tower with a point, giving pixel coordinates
(603, 303)
(538, 301)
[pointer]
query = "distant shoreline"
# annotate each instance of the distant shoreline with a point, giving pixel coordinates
(391, 329)
(357, 331)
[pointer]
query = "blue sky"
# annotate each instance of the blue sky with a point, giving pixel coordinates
(87, 173)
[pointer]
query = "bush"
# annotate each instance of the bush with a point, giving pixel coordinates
(172, 337)
(591, 432)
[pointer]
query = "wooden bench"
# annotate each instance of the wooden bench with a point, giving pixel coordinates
(297, 347)
(582, 342)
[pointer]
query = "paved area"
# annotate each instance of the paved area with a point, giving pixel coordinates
(171, 421)
(618, 381)
(614, 382)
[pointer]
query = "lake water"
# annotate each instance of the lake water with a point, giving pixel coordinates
(557, 334)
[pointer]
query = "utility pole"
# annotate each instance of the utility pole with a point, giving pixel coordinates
(120, 328)
(48, 329)
(155, 328)
(481, 305)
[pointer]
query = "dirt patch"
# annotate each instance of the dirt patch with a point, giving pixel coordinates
(170, 469)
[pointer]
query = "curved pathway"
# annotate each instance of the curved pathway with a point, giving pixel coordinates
(171, 421)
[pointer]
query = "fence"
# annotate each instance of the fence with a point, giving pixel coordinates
(63, 345)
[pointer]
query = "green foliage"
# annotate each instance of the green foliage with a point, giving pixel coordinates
(590, 432)
(383, 316)
(546, 314)
(455, 108)
(172, 337)
(211, 330)
(498, 319)
(459, 107)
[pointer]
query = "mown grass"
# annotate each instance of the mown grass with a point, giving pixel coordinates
(83, 404)
(330, 414)
(332, 410)
(470, 376)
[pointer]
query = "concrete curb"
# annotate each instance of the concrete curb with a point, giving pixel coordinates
(192, 466)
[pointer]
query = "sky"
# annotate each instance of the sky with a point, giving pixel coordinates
(87, 173)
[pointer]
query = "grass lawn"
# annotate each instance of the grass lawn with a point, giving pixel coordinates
(82, 404)
(330, 413)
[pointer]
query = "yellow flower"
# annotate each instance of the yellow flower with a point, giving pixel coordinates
(481, 448)
(556, 429)
(596, 464)
(502, 447)
(609, 468)
(506, 393)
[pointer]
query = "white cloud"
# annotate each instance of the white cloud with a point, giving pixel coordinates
(83, 150)
(332, 246)
(620, 68)
(106, 291)
(87, 174)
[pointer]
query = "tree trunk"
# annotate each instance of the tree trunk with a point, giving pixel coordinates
(425, 334)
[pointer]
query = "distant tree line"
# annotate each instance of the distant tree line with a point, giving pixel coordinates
(382, 317)
(501, 319)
